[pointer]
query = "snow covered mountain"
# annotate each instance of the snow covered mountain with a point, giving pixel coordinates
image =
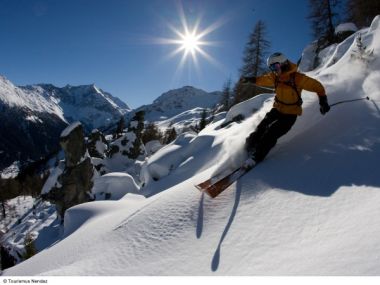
(310, 208)
(33, 116)
(86, 103)
(30, 125)
(180, 107)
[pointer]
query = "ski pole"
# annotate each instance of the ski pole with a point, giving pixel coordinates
(347, 101)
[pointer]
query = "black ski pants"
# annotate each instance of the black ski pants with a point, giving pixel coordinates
(271, 128)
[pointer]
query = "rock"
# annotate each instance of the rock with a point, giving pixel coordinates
(76, 187)
(73, 144)
(73, 185)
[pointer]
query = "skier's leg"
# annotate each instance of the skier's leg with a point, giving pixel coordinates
(253, 139)
(273, 133)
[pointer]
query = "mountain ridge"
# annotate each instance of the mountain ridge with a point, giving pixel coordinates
(172, 108)
(33, 116)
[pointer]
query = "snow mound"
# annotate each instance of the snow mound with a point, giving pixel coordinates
(346, 27)
(114, 186)
(168, 158)
(80, 216)
(67, 131)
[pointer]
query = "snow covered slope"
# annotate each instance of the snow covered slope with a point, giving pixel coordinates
(30, 125)
(311, 208)
(13, 96)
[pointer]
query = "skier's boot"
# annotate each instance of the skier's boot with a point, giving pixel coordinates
(250, 162)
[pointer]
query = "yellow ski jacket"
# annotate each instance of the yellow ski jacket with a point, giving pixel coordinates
(288, 87)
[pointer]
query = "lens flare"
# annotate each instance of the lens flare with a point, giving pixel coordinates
(190, 40)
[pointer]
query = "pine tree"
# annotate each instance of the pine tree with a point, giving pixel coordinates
(360, 51)
(323, 18)
(203, 122)
(3, 208)
(256, 50)
(136, 126)
(254, 61)
(226, 95)
(120, 128)
(362, 12)
(151, 133)
(170, 135)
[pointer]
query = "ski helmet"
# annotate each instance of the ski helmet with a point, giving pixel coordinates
(276, 57)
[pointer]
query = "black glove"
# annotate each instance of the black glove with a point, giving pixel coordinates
(324, 105)
(245, 80)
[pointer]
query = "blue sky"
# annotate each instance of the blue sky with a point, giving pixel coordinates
(114, 43)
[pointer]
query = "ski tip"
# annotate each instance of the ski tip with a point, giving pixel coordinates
(199, 188)
(205, 190)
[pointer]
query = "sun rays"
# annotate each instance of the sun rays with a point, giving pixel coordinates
(190, 42)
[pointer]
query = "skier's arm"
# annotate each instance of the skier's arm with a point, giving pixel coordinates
(314, 85)
(311, 84)
(266, 80)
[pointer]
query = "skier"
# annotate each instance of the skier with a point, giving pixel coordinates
(288, 84)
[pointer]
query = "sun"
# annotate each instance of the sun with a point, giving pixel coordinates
(190, 42)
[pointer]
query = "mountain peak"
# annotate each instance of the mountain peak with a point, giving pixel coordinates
(82, 88)
(184, 92)
(177, 101)
(3, 78)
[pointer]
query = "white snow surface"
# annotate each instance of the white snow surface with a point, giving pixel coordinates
(29, 218)
(249, 106)
(70, 128)
(115, 184)
(52, 180)
(346, 27)
(153, 146)
(310, 208)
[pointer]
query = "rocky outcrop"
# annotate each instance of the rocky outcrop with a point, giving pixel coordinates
(97, 144)
(73, 144)
(130, 143)
(74, 177)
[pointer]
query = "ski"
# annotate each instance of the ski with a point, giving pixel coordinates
(214, 189)
(212, 180)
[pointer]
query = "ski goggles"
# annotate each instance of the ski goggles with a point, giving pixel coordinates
(275, 67)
